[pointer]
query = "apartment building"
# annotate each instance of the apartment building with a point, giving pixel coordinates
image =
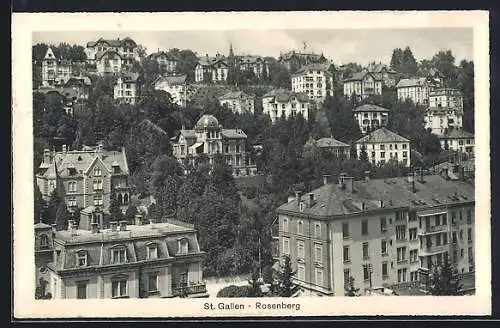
(295, 60)
(209, 138)
(279, 103)
(238, 102)
(126, 48)
(155, 260)
(362, 85)
(175, 85)
(445, 111)
(381, 232)
(416, 90)
(370, 117)
(458, 140)
(256, 64)
(84, 178)
(126, 88)
(383, 145)
(212, 69)
(166, 61)
(54, 70)
(43, 256)
(315, 80)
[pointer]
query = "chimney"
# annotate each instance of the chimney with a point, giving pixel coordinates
(94, 227)
(363, 206)
(326, 178)
(382, 204)
(310, 199)
(298, 197)
(367, 175)
(46, 156)
(113, 225)
(123, 225)
(346, 183)
(138, 219)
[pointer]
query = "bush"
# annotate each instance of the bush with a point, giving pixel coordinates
(235, 291)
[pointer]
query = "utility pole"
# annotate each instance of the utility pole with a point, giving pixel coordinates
(260, 263)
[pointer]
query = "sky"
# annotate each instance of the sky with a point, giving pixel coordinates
(341, 45)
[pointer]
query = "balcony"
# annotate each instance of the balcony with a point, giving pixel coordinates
(433, 229)
(433, 250)
(185, 289)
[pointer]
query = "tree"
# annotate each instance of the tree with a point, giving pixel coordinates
(363, 155)
(39, 203)
(465, 82)
(256, 285)
(234, 291)
(280, 76)
(444, 280)
(351, 290)
(115, 211)
(403, 61)
(285, 278)
(130, 213)
(62, 216)
(444, 62)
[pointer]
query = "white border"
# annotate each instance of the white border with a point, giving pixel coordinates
(24, 24)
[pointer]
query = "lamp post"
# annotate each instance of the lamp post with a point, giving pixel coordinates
(370, 271)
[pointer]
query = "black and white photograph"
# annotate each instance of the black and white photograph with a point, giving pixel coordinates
(252, 170)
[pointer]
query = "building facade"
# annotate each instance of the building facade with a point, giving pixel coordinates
(54, 70)
(238, 102)
(126, 88)
(211, 70)
(370, 117)
(314, 80)
(109, 62)
(458, 140)
(445, 111)
(285, 103)
(83, 178)
(166, 61)
(381, 232)
(209, 138)
(339, 148)
(155, 260)
(256, 64)
(175, 85)
(386, 74)
(295, 60)
(126, 48)
(416, 90)
(382, 146)
(80, 84)
(362, 85)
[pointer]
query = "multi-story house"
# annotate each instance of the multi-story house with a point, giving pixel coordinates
(209, 138)
(381, 232)
(256, 64)
(85, 178)
(386, 74)
(445, 111)
(126, 48)
(415, 89)
(285, 103)
(238, 102)
(166, 61)
(370, 117)
(339, 148)
(67, 97)
(54, 70)
(458, 140)
(211, 69)
(314, 80)
(293, 61)
(155, 260)
(382, 146)
(175, 85)
(43, 256)
(362, 85)
(126, 88)
(80, 84)
(109, 62)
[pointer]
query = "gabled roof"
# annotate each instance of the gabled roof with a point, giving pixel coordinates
(325, 67)
(358, 76)
(49, 54)
(457, 134)
(330, 142)
(311, 56)
(382, 135)
(413, 82)
(129, 77)
(378, 68)
(111, 43)
(85, 79)
(210, 61)
(107, 53)
(163, 53)
(171, 79)
(370, 108)
(235, 95)
(284, 95)
(233, 134)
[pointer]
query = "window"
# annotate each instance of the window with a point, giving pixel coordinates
(438, 239)
(413, 275)
(461, 235)
(152, 251)
(405, 146)
(445, 238)
(413, 255)
(402, 275)
(44, 241)
(385, 272)
(469, 253)
(81, 258)
(382, 147)
(119, 255)
(439, 259)
(462, 253)
(97, 184)
(285, 225)
(364, 227)
(365, 251)
(72, 186)
(300, 249)
(97, 171)
(366, 273)
(153, 283)
(81, 290)
(71, 201)
(318, 253)
(453, 217)
(345, 230)
(300, 227)
(382, 154)
(383, 224)
(413, 233)
(346, 254)
(319, 277)
(401, 254)
(286, 245)
(444, 219)
(383, 247)
(97, 200)
(301, 272)
(347, 275)
(317, 230)
(183, 246)
(119, 288)
(401, 232)
(469, 216)
(469, 234)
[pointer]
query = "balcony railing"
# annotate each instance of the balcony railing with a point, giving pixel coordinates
(428, 229)
(431, 250)
(185, 289)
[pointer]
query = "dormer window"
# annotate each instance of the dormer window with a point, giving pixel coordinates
(97, 171)
(81, 258)
(119, 255)
(152, 251)
(183, 246)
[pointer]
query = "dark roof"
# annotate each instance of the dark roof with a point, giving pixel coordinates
(249, 59)
(163, 53)
(171, 79)
(413, 82)
(382, 135)
(457, 134)
(111, 43)
(378, 68)
(314, 67)
(330, 142)
(370, 108)
(358, 76)
(311, 56)
(210, 61)
(107, 53)
(233, 133)
(284, 95)
(331, 200)
(85, 79)
(129, 77)
(235, 95)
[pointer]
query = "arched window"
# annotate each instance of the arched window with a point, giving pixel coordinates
(44, 241)
(125, 199)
